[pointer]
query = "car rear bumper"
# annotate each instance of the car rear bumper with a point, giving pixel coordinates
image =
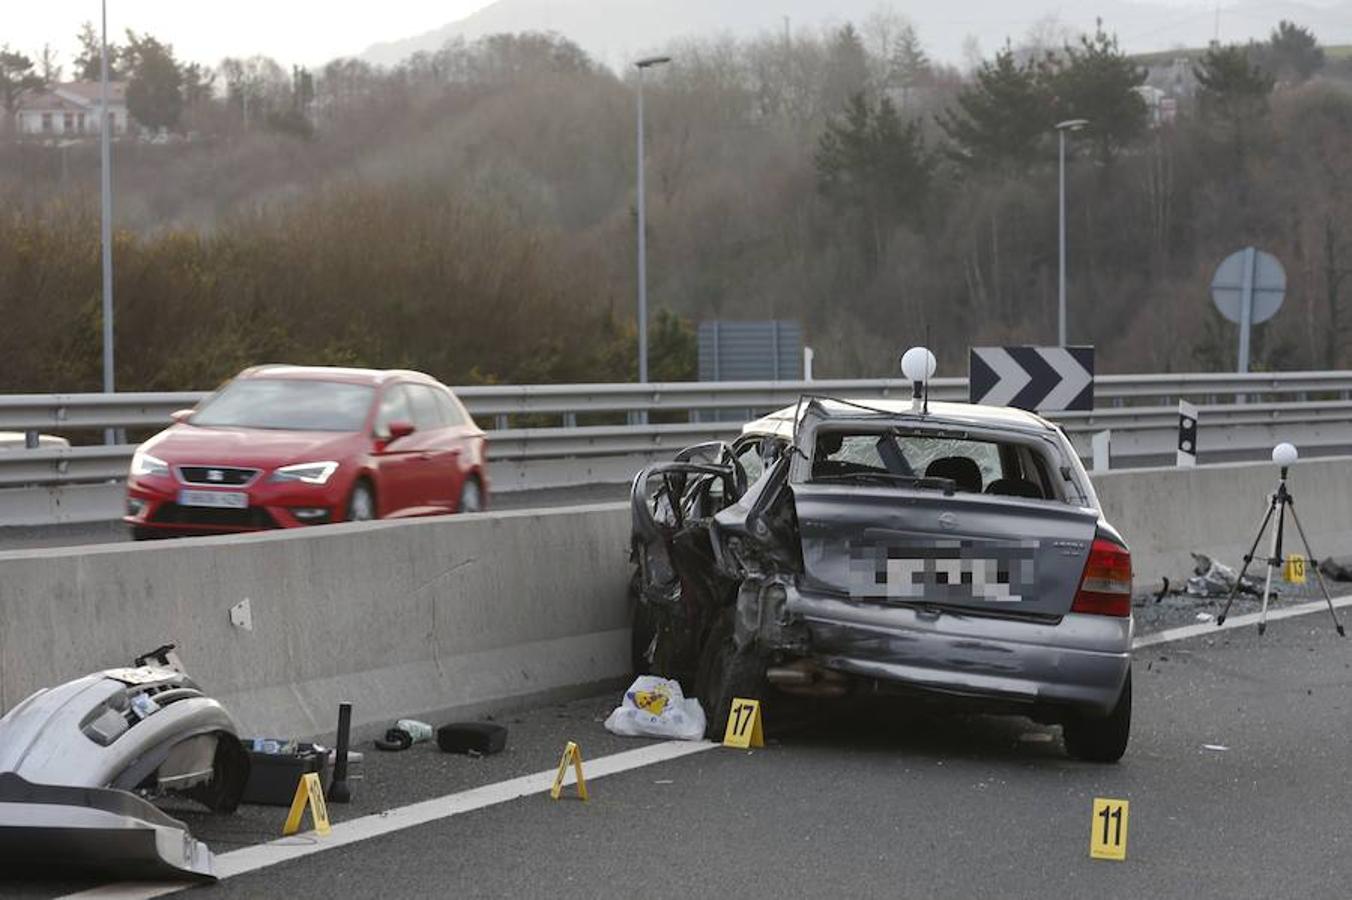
(1080, 661)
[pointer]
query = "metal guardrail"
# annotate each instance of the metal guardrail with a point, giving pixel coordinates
(1139, 409)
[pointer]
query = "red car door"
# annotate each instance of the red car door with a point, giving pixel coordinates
(397, 463)
(438, 452)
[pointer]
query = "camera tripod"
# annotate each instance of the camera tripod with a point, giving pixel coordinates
(1281, 501)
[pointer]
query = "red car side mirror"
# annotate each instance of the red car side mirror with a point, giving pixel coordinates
(181, 415)
(400, 430)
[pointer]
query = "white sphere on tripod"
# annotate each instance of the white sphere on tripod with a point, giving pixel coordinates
(1284, 454)
(918, 364)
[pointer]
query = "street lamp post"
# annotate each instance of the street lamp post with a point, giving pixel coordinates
(110, 434)
(1062, 128)
(643, 64)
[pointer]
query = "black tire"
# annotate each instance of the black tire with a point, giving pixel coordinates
(726, 673)
(361, 506)
(1101, 739)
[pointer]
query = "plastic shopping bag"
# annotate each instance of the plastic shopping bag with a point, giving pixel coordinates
(655, 707)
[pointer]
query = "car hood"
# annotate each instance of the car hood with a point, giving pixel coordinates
(253, 447)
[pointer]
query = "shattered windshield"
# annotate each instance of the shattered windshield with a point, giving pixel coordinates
(910, 458)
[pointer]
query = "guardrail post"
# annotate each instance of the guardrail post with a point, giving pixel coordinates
(570, 420)
(30, 439)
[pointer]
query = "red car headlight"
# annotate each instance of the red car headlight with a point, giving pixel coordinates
(142, 463)
(307, 473)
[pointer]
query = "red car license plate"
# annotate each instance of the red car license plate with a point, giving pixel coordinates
(214, 499)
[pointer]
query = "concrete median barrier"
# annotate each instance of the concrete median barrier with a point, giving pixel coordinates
(1167, 513)
(456, 615)
(426, 618)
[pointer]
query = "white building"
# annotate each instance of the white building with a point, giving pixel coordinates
(71, 110)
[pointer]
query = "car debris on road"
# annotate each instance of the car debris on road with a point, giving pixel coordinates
(1212, 578)
(80, 762)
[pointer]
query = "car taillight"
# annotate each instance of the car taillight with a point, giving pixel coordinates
(1105, 586)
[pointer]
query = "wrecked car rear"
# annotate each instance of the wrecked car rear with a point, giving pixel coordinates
(953, 550)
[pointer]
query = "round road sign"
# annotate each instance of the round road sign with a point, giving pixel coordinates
(1260, 270)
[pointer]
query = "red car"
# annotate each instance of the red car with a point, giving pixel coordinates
(284, 446)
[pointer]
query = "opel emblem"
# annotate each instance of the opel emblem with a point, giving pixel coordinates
(948, 521)
(215, 475)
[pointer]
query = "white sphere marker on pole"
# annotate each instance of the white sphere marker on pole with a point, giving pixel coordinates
(918, 366)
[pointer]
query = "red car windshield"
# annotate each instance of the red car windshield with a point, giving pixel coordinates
(289, 404)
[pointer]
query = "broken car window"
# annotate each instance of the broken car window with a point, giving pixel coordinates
(971, 464)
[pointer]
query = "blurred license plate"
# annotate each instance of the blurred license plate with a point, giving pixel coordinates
(214, 499)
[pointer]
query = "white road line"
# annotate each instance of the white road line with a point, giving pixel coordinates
(261, 856)
(251, 859)
(1232, 622)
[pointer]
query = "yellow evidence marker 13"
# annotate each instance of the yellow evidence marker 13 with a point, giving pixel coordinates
(308, 790)
(1108, 829)
(572, 753)
(1295, 569)
(744, 725)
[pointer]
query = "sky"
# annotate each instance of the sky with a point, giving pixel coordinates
(312, 32)
(304, 32)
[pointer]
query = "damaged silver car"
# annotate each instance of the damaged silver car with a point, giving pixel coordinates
(949, 549)
(80, 763)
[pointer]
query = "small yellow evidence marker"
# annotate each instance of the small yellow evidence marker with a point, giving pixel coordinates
(308, 791)
(571, 754)
(1108, 829)
(744, 725)
(1295, 569)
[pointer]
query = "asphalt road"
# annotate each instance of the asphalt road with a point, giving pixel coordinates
(889, 799)
(88, 533)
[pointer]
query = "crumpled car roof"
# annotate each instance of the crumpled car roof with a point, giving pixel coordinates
(780, 423)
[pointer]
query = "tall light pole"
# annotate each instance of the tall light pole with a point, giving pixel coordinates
(1062, 128)
(109, 435)
(643, 64)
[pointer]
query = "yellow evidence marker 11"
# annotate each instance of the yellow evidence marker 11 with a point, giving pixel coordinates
(744, 725)
(308, 790)
(1295, 569)
(1108, 829)
(572, 753)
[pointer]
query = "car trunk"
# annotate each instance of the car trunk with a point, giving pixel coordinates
(890, 545)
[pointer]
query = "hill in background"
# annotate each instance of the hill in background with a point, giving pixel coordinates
(614, 31)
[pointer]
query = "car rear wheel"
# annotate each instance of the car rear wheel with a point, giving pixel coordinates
(1101, 738)
(726, 673)
(362, 505)
(471, 497)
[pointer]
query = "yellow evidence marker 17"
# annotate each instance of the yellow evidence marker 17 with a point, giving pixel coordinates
(744, 725)
(1295, 569)
(1108, 829)
(572, 753)
(308, 790)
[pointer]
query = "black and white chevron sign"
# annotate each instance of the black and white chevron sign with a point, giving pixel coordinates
(1038, 379)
